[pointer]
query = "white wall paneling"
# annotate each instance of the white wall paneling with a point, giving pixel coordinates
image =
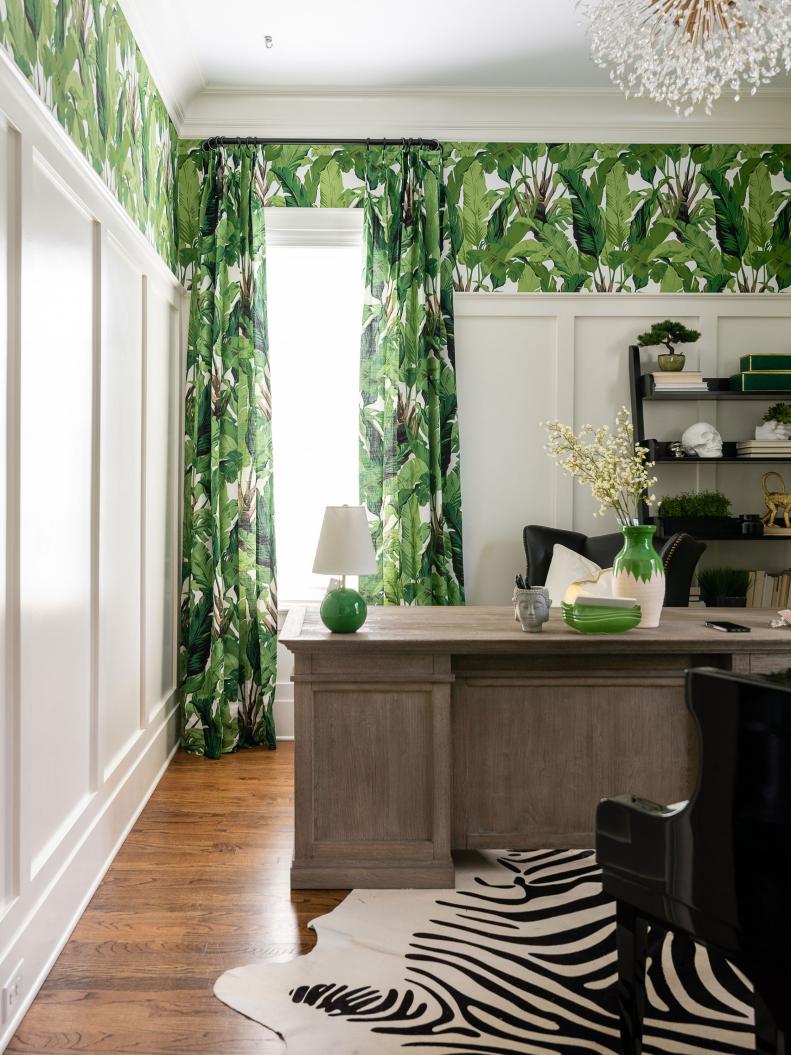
(90, 368)
(120, 542)
(9, 246)
(55, 506)
(162, 442)
(524, 358)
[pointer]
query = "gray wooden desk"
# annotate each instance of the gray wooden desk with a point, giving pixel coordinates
(434, 729)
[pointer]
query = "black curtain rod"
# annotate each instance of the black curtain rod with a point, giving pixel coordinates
(215, 141)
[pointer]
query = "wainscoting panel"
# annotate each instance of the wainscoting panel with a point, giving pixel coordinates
(163, 439)
(503, 393)
(90, 367)
(120, 549)
(56, 518)
(7, 752)
(524, 358)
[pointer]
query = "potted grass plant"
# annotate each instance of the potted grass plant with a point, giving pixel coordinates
(702, 514)
(724, 587)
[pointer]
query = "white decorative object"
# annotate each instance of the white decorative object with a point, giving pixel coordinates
(702, 439)
(772, 430)
(567, 567)
(684, 52)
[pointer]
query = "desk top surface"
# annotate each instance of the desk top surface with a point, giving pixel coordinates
(479, 629)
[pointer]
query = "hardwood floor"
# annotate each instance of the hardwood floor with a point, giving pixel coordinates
(200, 885)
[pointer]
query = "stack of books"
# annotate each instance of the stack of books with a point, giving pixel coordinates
(680, 381)
(763, 449)
(769, 589)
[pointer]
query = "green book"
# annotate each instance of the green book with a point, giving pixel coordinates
(765, 362)
(762, 381)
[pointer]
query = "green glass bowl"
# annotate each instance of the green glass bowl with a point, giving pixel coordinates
(588, 619)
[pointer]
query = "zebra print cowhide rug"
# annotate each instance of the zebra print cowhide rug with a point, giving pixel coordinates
(520, 957)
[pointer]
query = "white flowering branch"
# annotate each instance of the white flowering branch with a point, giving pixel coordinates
(614, 467)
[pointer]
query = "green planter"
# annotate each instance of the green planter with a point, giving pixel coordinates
(638, 572)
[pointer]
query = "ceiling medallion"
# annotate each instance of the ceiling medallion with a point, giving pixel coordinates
(685, 52)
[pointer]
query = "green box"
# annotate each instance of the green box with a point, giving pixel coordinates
(765, 362)
(762, 381)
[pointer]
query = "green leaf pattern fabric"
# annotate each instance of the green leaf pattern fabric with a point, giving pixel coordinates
(228, 652)
(409, 445)
(409, 438)
(81, 59)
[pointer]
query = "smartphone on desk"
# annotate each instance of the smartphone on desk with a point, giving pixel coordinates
(726, 627)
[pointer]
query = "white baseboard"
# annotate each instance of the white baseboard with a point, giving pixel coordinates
(49, 923)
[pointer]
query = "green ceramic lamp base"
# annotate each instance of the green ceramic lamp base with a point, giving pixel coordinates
(343, 611)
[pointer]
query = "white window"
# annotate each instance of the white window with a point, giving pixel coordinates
(314, 266)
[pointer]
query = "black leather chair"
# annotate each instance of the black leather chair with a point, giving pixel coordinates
(718, 867)
(680, 555)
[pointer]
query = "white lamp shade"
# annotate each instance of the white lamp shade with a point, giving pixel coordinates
(345, 544)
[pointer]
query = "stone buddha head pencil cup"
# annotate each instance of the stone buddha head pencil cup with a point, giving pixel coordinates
(532, 607)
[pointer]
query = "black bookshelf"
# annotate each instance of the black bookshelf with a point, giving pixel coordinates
(642, 389)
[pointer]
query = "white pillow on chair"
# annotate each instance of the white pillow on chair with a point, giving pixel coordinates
(567, 567)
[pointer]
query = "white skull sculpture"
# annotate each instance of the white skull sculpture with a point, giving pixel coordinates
(702, 439)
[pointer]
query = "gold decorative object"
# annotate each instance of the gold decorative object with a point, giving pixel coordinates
(776, 502)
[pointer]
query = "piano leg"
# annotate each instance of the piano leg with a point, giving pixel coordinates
(769, 1040)
(631, 935)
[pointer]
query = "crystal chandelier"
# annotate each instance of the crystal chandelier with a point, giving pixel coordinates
(684, 52)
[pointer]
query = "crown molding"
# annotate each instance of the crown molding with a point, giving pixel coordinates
(159, 69)
(464, 90)
(475, 115)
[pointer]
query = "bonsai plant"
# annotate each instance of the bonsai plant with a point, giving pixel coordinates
(724, 587)
(669, 334)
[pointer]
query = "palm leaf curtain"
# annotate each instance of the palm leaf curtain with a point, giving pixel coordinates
(229, 599)
(409, 441)
(409, 437)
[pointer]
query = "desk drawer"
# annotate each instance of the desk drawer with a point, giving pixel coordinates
(770, 662)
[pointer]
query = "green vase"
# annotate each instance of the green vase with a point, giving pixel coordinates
(638, 572)
(343, 611)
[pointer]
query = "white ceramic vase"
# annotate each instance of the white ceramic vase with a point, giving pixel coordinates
(638, 572)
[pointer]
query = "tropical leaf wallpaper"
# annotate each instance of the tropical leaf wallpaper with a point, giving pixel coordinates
(81, 58)
(575, 217)
(609, 218)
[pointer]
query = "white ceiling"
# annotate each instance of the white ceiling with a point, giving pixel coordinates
(520, 69)
(194, 44)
